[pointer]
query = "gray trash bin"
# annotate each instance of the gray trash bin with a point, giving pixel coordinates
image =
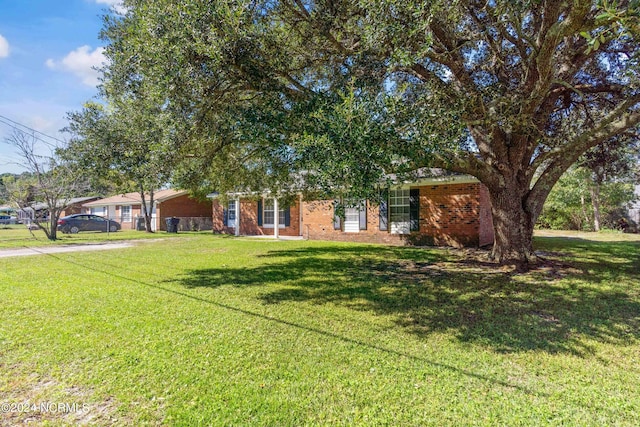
(172, 224)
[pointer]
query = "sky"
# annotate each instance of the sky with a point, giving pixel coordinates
(48, 51)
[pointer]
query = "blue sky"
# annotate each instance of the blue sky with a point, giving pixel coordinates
(47, 51)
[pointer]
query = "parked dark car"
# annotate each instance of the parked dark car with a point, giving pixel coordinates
(6, 219)
(85, 222)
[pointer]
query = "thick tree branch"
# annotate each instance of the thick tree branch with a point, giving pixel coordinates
(616, 122)
(453, 59)
(550, 35)
(467, 163)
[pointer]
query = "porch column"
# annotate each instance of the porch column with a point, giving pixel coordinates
(276, 219)
(237, 217)
(300, 216)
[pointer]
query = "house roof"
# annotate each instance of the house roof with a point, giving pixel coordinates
(135, 199)
(77, 200)
(38, 206)
(420, 177)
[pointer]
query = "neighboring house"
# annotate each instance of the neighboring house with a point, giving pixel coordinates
(127, 210)
(7, 210)
(41, 210)
(452, 210)
(30, 213)
(75, 205)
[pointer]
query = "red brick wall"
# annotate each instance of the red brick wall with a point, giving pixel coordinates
(71, 210)
(218, 219)
(450, 215)
(181, 206)
(249, 220)
(317, 224)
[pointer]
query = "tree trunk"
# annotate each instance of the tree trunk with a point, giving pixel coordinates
(147, 210)
(584, 214)
(595, 202)
(53, 226)
(513, 227)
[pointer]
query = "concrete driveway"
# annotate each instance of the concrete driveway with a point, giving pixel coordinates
(6, 253)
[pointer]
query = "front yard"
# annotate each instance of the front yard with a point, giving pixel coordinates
(18, 236)
(208, 330)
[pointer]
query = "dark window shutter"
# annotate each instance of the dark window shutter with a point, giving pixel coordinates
(384, 211)
(225, 217)
(363, 215)
(260, 212)
(287, 217)
(414, 209)
(336, 218)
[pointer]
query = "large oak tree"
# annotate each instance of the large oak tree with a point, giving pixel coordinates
(511, 92)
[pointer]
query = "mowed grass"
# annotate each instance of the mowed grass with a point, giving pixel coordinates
(18, 236)
(208, 330)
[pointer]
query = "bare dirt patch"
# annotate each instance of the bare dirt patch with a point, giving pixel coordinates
(34, 400)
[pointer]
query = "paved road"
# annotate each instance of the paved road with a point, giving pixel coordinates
(5, 253)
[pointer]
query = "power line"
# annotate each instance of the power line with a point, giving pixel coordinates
(31, 129)
(15, 125)
(47, 143)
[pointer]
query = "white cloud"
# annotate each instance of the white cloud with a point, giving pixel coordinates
(82, 62)
(4, 47)
(114, 4)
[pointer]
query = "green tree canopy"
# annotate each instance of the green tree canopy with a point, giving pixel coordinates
(132, 142)
(511, 92)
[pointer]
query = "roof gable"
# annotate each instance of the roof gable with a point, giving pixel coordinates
(129, 199)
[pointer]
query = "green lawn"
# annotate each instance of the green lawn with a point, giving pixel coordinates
(209, 330)
(17, 236)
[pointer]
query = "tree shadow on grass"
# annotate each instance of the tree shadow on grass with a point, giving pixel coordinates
(425, 291)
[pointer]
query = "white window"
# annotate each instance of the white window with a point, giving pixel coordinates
(125, 213)
(399, 211)
(351, 220)
(269, 213)
(102, 211)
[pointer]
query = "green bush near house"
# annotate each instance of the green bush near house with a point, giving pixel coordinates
(211, 330)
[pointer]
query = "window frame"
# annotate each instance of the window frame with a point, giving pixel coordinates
(231, 207)
(126, 217)
(399, 211)
(268, 208)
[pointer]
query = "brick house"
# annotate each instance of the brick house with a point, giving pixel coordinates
(451, 211)
(127, 209)
(74, 205)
